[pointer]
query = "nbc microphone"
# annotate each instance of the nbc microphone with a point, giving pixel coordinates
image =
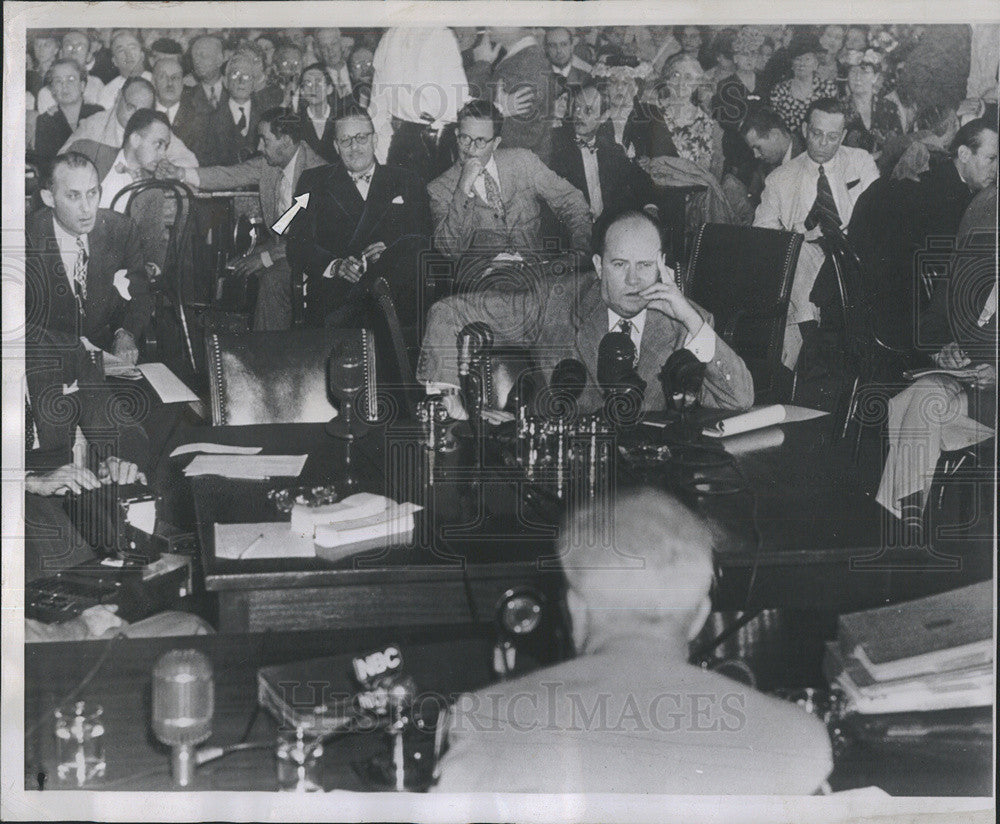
(183, 704)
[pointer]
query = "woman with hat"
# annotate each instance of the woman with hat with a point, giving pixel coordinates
(791, 98)
(873, 118)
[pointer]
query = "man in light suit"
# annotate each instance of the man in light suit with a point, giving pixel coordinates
(276, 172)
(559, 318)
(101, 135)
(364, 220)
(790, 200)
(85, 269)
(489, 202)
(629, 713)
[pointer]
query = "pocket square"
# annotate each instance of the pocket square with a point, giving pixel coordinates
(852, 183)
(121, 283)
(398, 199)
(69, 390)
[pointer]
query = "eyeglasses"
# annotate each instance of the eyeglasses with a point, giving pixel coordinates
(465, 141)
(236, 77)
(355, 140)
(313, 84)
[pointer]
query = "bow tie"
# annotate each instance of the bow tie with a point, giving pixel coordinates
(364, 177)
(590, 144)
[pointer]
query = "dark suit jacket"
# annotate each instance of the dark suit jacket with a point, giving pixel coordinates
(339, 224)
(323, 146)
(225, 145)
(526, 68)
(52, 130)
(199, 100)
(623, 184)
(566, 318)
(191, 125)
(51, 305)
(943, 198)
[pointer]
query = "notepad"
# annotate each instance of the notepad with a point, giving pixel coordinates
(760, 418)
(214, 449)
(251, 467)
(168, 386)
(245, 542)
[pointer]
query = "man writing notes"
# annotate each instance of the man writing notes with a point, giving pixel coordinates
(276, 172)
(814, 194)
(634, 292)
(489, 201)
(363, 220)
(85, 269)
(629, 714)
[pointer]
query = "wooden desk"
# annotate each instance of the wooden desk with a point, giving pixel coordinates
(802, 534)
(442, 661)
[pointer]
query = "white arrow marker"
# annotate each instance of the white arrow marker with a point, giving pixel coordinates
(282, 222)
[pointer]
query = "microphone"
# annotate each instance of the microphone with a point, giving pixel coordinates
(615, 357)
(473, 340)
(682, 376)
(183, 704)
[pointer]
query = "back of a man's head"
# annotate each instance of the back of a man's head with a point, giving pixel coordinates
(643, 561)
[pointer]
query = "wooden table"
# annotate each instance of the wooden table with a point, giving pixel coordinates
(443, 662)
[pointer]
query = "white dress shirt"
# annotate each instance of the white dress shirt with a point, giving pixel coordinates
(169, 111)
(114, 181)
(341, 79)
(235, 109)
(319, 121)
(479, 185)
(286, 184)
(593, 177)
(418, 77)
(68, 250)
(701, 344)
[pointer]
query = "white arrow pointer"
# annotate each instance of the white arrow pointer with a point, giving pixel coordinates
(282, 222)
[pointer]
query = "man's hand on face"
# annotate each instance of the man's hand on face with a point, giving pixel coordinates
(115, 470)
(68, 478)
(951, 356)
(125, 348)
(470, 171)
(666, 297)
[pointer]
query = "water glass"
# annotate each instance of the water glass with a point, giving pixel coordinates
(298, 755)
(79, 729)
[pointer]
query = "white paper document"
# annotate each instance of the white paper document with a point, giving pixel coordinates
(252, 467)
(168, 386)
(759, 418)
(244, 542)
(214, 449)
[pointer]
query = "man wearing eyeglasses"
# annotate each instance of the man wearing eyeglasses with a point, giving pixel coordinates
(232, 128)
(814, 194)
(363, 220)
(489, 202)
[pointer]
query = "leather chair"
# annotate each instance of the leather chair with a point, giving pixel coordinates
(743, 276)
(279, 377)
(167, 285)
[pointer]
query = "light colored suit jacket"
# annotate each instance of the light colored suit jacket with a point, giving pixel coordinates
(463, 224)
(103, 128)
(565, 317)
(257, 172)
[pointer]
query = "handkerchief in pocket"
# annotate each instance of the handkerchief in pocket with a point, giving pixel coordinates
(398, 199)
(121, 283)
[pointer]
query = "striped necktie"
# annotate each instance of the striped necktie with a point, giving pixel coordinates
(493, 197)
(80, 274)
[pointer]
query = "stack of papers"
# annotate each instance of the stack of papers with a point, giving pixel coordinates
(251, 467)
(760, 418)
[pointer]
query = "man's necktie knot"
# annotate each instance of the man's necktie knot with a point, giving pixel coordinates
(590, 144)
(364, 177)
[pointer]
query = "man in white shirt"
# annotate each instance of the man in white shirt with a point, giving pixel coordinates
(814, 194)
(186, 122)
(101, 135)
(147, 137)
(207, 60)
(567, 318)
(418, 87)
(75, 46)
(331, 52)
(130, 60)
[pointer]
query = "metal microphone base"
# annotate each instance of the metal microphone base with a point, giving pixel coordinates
(182, 764)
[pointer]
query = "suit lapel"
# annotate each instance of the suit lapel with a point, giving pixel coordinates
(591, 321)
(376, 203)
(345, 194)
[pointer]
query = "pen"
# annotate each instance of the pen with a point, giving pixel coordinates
(250, 546)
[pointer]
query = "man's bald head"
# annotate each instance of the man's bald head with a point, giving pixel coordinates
(646, 561)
